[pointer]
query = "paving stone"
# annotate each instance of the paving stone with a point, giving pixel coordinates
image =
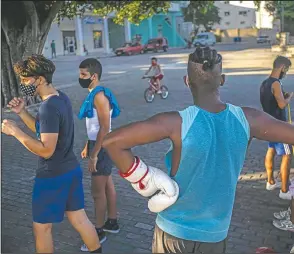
(144, 226)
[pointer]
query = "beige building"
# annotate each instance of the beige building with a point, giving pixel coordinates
(235, 17)
(93, 33)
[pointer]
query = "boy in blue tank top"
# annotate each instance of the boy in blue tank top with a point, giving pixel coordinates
(209, 144)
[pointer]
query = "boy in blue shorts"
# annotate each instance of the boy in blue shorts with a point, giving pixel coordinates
(274, 102)
(58, 187)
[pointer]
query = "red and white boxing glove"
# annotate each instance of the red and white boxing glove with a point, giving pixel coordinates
(149, 180)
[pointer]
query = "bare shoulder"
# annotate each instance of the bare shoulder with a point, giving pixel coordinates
(276, 85)
(100, 98)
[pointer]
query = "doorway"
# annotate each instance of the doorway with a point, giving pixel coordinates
(69, 42)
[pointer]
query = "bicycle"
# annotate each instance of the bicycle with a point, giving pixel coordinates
(149, 93)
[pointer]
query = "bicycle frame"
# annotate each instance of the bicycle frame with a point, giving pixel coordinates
(153, 85)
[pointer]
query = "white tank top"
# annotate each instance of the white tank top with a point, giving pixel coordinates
(93, 125)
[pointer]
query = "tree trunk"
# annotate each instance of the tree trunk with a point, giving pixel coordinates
(20, 40)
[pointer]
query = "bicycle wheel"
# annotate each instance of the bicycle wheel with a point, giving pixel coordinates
(149, 95)
(164, 92)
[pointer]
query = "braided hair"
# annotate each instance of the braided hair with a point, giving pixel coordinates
(201, 67)
(34, 66)
(206, 56)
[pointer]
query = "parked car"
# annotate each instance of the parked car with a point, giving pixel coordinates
(156, 44)
(263, 39)
(130, 49)
(204, 39)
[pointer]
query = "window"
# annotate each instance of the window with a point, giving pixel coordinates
(243, 13)
(227, 13)
(228, 23)
(242, 22)
(97, 37)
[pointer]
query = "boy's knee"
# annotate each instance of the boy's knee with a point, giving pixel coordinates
(42, 228)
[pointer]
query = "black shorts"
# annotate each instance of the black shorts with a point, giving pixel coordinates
(104, 163)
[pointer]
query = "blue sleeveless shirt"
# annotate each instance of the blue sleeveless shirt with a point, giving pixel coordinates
(214, 146)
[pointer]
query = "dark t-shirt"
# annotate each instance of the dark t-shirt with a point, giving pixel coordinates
(56, 116)
(268, 100)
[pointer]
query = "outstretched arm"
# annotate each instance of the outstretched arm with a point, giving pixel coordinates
(162, 126)
(148, 70)
(265, 127)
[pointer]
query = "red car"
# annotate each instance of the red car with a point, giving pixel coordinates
(156, 44)
(130, 49)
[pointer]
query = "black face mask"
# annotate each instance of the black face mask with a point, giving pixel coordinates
(282, 75)
(84, 83)
(28, 90)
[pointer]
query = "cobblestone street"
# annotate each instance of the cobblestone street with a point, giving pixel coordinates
(251, 225)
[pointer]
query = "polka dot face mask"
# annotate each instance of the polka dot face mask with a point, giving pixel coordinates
(28, 90)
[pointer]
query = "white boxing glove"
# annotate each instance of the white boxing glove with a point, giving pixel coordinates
(149, 180)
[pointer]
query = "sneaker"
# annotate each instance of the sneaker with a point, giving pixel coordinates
(292, 249)
(271, 187)
(159, 92)
(102, 238)
(285, 195)
(111, 226)
(283, 215)
(285, 225)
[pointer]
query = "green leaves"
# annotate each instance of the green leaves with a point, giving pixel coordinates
(134, 11)
(202, 13)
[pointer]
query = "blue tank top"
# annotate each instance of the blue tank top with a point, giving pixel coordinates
(214, 146)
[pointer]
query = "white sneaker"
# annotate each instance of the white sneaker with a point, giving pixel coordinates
(283, 215)
(292, 250)
(286, 195)
(285, 225)
(271, 187)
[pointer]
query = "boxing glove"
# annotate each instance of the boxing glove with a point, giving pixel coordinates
(153, 183)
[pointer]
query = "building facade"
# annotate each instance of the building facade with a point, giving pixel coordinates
(235, 17)
(89, 33)
(170, 25)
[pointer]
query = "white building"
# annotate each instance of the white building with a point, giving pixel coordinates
(243, 14)
(95, 33)
(234, 17)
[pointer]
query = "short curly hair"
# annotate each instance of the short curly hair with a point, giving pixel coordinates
(34, 66)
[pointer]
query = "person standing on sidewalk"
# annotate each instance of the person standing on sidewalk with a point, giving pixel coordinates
(98, 108)
(274, 102)
(53, 49)
(209, 141)
(58, 186)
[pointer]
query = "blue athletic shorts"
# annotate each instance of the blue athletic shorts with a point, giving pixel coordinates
(281, 149)
(53, 196)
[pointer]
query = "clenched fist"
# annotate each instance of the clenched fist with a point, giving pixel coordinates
(16, 105)
(9, 127)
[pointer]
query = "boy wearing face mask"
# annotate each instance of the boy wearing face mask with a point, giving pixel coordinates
(98, 109)
(274, 102)
(58, 186)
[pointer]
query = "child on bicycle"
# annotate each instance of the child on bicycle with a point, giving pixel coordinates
(156, 73)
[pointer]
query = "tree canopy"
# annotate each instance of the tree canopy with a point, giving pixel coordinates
(202, 13)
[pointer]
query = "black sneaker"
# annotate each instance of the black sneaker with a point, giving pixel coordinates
(102, 238)
(111, 226)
